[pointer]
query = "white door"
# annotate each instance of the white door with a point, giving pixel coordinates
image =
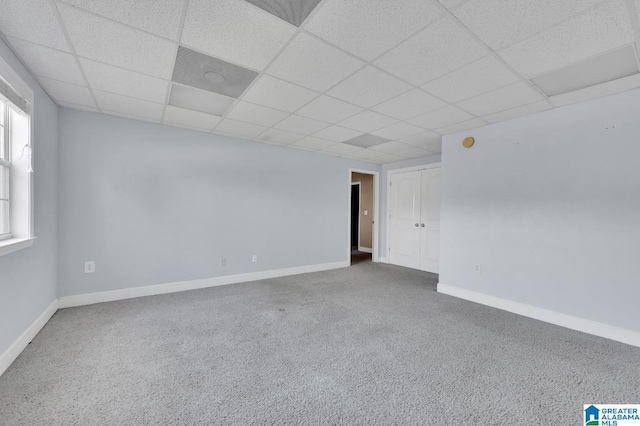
(430, 221)
(414, 222)
(404, 237)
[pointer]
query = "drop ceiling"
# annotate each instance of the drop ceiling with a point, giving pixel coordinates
(330, 76)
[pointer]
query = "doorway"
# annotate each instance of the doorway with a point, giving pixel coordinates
(355, 214)
(362, 221)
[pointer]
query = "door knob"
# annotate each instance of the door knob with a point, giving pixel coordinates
(422, 224)
(417, 225)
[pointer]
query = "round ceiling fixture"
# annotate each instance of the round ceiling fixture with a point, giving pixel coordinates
(214, 77)
(468, 142)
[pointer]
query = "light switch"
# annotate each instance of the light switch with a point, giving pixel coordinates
(366, 212)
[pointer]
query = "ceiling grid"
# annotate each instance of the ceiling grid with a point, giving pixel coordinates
(400, 74)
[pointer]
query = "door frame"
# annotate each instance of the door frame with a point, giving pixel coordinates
(389, 173)
(359, 204)
(376, 212)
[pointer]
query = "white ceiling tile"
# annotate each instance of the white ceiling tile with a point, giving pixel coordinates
(452, 4)
(199, 100)
(597, 31)
(410, 104)
(128, 106)
(68, 93)
(367, 121)
(435, 51)
(465, 125)
(279, 137)
(278, 94)
(386, 158)
(369, 30)
(517, 112)
(368, 87)
(235, 31)
(434, 147)
(124, 82)
(398, 131)
(441, 118)
(474, 79)
(80, 107)
(499, 22)
(341, 149)
(106, 41)
(365, 154)
(139, 118)
(413, 152)
(302, 125)
(390, 147)
(328, 109)
(47, 62)
(301, 147)
(34, 21)
(312, 144)
(501, 99)
(422, 140)
(312, 63)
(160, 17)
(238, 128)
(337, 134)
(193, 119)
(256, 114)
(375, 156)
(605, 89)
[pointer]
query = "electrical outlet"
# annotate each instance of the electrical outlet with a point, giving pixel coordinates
(223, 261)
(477, 268)
(254, 258)
(89, 267)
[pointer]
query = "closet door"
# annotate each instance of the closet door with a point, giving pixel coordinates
(404, 236)
(430, 220)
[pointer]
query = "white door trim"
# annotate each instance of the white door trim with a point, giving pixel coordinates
(376, 210)
(388, 213)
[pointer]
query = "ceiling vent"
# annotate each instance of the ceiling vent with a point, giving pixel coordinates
(212, 74)
(292, 11)
(366, 141)
(593, 71)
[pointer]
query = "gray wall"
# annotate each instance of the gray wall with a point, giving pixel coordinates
(384, 186)
(28, 276)
(549, 205)
(152, 204)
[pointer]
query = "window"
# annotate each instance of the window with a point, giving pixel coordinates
(16, 99)
(5, 168)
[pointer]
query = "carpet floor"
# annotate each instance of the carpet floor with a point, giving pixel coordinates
(371, 344)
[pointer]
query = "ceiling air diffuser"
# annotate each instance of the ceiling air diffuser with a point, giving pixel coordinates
(292, 11)
(212, 74)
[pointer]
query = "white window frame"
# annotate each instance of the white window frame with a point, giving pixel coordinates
(23, 237)
(5, 164)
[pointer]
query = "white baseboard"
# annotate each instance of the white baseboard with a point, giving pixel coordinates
(383, 260)
(623, 335)
(365, 249)
(152, 290)
(16, 348)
